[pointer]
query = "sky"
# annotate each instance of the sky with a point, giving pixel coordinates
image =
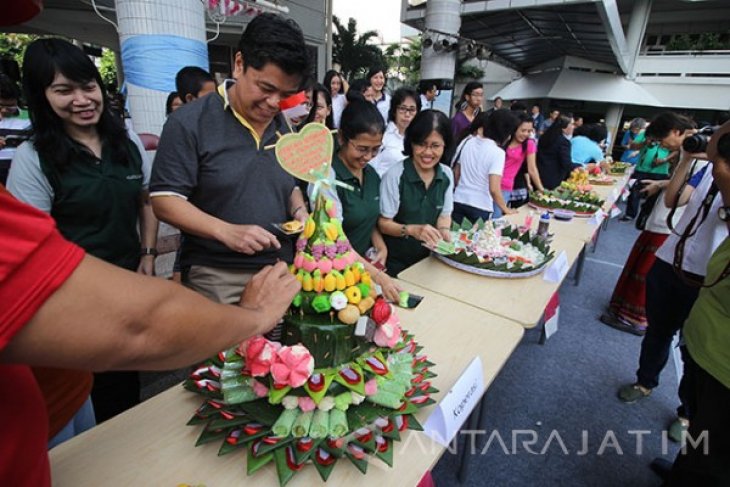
(380, 15)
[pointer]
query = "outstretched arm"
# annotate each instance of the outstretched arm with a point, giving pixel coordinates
(104, 317)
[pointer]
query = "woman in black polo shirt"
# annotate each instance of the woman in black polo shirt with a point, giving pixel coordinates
(359, 140)
(416, 196)
(82, 167)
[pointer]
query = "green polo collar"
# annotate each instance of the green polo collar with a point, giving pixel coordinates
(412, 176)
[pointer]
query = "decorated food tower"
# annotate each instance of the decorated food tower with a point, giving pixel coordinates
(345, 380)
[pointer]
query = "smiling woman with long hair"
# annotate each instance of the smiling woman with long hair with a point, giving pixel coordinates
(90, 174)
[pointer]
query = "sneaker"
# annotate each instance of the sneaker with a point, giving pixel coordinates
(615, 322)
(677, 429)
(632, 393)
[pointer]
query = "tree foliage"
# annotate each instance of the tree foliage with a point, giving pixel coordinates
(108, 67)
(12, 46)
(404, 61)
(354, 53)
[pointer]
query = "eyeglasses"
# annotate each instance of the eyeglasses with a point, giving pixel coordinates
(364, 151)
(433, 147)
(402, 109)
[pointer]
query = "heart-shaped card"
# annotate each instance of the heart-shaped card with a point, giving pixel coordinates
(306, 155)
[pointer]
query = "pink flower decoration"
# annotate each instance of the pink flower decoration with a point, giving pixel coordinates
(259, 389)
(388, 334)
(306, 404)
(371, 387)
(294, 365)
(260, 354)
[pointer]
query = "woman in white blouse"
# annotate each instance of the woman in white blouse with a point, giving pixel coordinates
(334, 82)
(404, 105)
(478, 172)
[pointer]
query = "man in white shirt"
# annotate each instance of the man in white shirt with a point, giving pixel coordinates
(428, 91)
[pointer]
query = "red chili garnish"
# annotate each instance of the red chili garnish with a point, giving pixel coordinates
(404, 423)
(382, 444)
(420, 399)
(255, 448)
(305, 444)
(222, 356)
(253, 428)
(421, 358)
(356, 451)
(376, 365)
(350, 375)
(417, 379)
(227, 415)
(364, 438)
(215, 404)
(232, 438)
(290, 462)
(389, 427)
(279, 387)
(425, 386)
(270, 440)
(403, 406)
(335, 443)
(316, 382)
(324, 458)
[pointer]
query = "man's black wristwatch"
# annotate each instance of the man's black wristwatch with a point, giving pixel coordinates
(723, 213)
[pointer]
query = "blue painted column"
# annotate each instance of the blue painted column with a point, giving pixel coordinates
(157, 38)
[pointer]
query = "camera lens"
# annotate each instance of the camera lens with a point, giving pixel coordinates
(695, 143)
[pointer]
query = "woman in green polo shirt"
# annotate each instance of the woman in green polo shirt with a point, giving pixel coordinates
(90, 174)
(416, 197)
(359, 140)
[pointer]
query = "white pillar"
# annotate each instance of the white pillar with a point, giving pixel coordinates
(443, 16)
(635, 32)
(172, 35)
(613, 119)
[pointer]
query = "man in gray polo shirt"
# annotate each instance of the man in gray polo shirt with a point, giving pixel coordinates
(213, 177)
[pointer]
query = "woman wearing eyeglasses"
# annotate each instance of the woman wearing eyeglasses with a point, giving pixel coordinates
(416, 197)
(403, 108)
(360, 137)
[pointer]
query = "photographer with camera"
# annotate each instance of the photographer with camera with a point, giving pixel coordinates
(707, 357)
(673, 282)
(653, 164)
(14, 128)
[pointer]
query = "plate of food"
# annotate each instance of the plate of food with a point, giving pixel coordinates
(564, 215)
(619, 168)
(580, 199)
(486, 249)
(292, 227)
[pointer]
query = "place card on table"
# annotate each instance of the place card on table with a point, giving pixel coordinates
(557, 270)
(446, 420)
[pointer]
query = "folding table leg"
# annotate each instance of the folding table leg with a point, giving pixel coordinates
(579, 266)
(474, 422)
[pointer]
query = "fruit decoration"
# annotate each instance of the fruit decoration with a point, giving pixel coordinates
(343, 384)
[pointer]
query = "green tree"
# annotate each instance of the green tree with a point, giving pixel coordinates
(108, 67)
(404, 61)
(12, 46)
(354, 53)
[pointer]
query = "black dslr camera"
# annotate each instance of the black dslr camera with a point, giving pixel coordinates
(698, 142)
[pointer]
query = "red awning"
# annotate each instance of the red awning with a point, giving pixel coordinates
(20, 11)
